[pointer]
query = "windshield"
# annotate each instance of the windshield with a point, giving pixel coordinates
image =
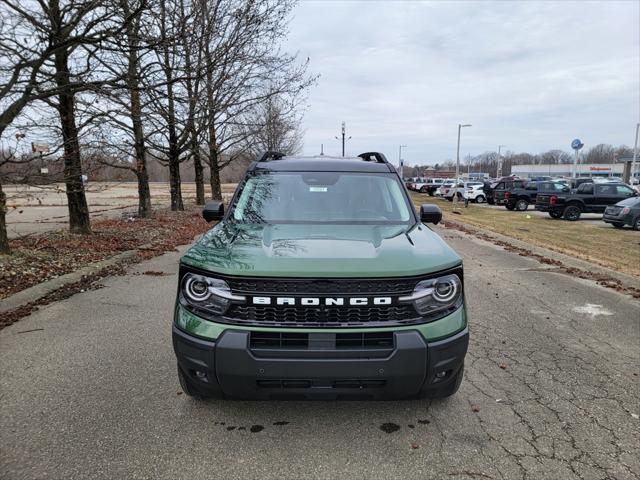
(322, 197)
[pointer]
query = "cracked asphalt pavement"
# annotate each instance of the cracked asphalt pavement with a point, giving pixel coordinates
(88, 389)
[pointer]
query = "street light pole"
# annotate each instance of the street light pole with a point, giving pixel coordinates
(499, 172)
(344, 129)
(635, 155)
(460, 126)
(400, 161)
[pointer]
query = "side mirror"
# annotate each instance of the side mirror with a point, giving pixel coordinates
(213, 210)
(430, 213)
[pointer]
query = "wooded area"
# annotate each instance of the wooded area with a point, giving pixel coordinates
(130, 83)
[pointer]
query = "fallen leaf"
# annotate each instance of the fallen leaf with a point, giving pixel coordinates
(414, 445)
(503, 366)
(475, 408)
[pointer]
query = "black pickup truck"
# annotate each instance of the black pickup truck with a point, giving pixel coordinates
(588, 198)
(519, 198)
(502, 185)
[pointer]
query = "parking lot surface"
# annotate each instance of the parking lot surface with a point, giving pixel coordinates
(88, 389)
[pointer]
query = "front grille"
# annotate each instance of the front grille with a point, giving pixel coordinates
(266, 286)
(613, 210)
(321, 316)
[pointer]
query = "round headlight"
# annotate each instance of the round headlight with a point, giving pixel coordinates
(445, 290)
(196, 288)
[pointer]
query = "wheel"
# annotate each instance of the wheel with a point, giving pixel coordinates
(190, 388)
(555, 214)
(446, 390)
(459, 195)
(618, 225)
(509, 206)
(522, 205)
(636, 224)
(491, 201)
(480, 199)
(572, 213)
(424, 190)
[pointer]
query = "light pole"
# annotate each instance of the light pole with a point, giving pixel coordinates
(400, 162)
(499, 172)
(344, 128)
(635, 155)
(460, 127)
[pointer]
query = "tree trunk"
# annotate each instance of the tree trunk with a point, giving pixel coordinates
(4, 239)
(197, 165)
(214, 180)
(135, 111)
(79, 221)
(174, 183)
(144, 193)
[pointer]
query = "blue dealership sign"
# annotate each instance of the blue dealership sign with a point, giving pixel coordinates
(577, 144)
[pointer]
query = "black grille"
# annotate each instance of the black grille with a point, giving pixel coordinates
(266, 286)
(322, 316)
(289, 340)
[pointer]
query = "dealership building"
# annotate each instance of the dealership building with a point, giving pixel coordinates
(566, 170)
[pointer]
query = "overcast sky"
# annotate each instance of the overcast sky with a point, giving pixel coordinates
(531, 75)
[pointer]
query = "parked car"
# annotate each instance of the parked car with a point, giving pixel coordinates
(505, 184)
(625, 212)
(588, 198)
(520, 198)
(476, 193)
(300, 322)
(440, 191)
(430, 185)
(459, 190)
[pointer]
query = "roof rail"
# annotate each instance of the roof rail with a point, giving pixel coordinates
(373, 157)
(271, 155)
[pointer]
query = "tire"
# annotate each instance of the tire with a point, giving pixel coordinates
(424, 190)
(618, 225)
(555, 214)
(572, 213)
(480, 199)
(509, 207)
(460, 196)
(491, 201)
(191, 389)
(446, 390)
(521, 205)
(636, 223)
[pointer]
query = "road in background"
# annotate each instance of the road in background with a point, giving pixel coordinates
(89, 390)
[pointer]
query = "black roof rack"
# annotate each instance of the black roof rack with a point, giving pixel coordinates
(373, 157)
(271, 155)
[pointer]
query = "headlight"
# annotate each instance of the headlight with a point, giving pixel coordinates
(209, 293)
(436, 294)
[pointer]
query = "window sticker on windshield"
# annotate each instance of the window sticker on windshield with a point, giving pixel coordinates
(318, 189)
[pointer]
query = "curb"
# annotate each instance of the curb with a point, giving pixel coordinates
(38, 291)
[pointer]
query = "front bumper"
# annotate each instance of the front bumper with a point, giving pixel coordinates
(231, 366)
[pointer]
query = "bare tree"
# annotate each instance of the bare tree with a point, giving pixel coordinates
(48, 54)
(274, 125)
(244, 66)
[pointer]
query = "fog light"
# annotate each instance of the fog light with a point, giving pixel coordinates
(202, 376)
(441, 374)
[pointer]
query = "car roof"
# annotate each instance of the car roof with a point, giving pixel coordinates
(323, 163)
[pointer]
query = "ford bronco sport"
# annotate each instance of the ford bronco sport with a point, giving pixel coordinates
(320, 281)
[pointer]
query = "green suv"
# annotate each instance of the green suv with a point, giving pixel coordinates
(320, 281)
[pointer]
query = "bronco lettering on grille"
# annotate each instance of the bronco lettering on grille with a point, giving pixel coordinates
(326, 301)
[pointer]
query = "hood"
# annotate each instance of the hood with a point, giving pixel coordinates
(320, 251)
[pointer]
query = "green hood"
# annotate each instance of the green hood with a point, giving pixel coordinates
(320, 251)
